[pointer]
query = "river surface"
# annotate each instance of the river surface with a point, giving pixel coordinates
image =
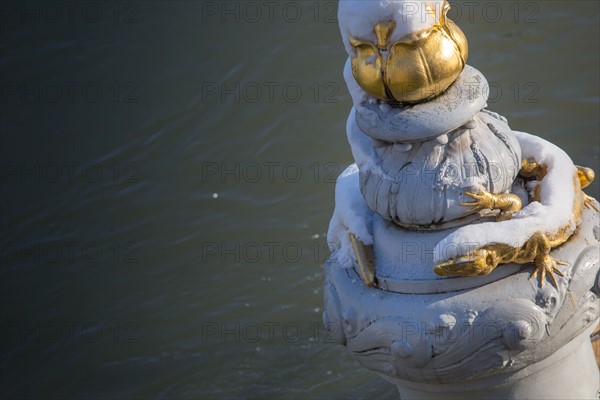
(168, 176)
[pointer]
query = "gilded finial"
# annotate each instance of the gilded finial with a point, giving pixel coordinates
(417, 67)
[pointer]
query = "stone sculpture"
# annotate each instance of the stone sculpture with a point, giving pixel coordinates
(442, 192)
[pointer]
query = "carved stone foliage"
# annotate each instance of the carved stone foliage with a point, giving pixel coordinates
(422, 183)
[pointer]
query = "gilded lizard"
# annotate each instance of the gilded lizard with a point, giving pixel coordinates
(537, 248)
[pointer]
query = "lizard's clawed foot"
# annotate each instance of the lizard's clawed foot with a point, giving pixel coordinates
(508, 203)
(482, 201)
(546, 265)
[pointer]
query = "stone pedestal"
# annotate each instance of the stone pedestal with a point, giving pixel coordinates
(495, 336)
(559, 378)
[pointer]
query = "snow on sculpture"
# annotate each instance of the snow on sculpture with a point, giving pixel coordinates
(444, 191)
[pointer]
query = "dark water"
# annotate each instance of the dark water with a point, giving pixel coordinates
(167, 182)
